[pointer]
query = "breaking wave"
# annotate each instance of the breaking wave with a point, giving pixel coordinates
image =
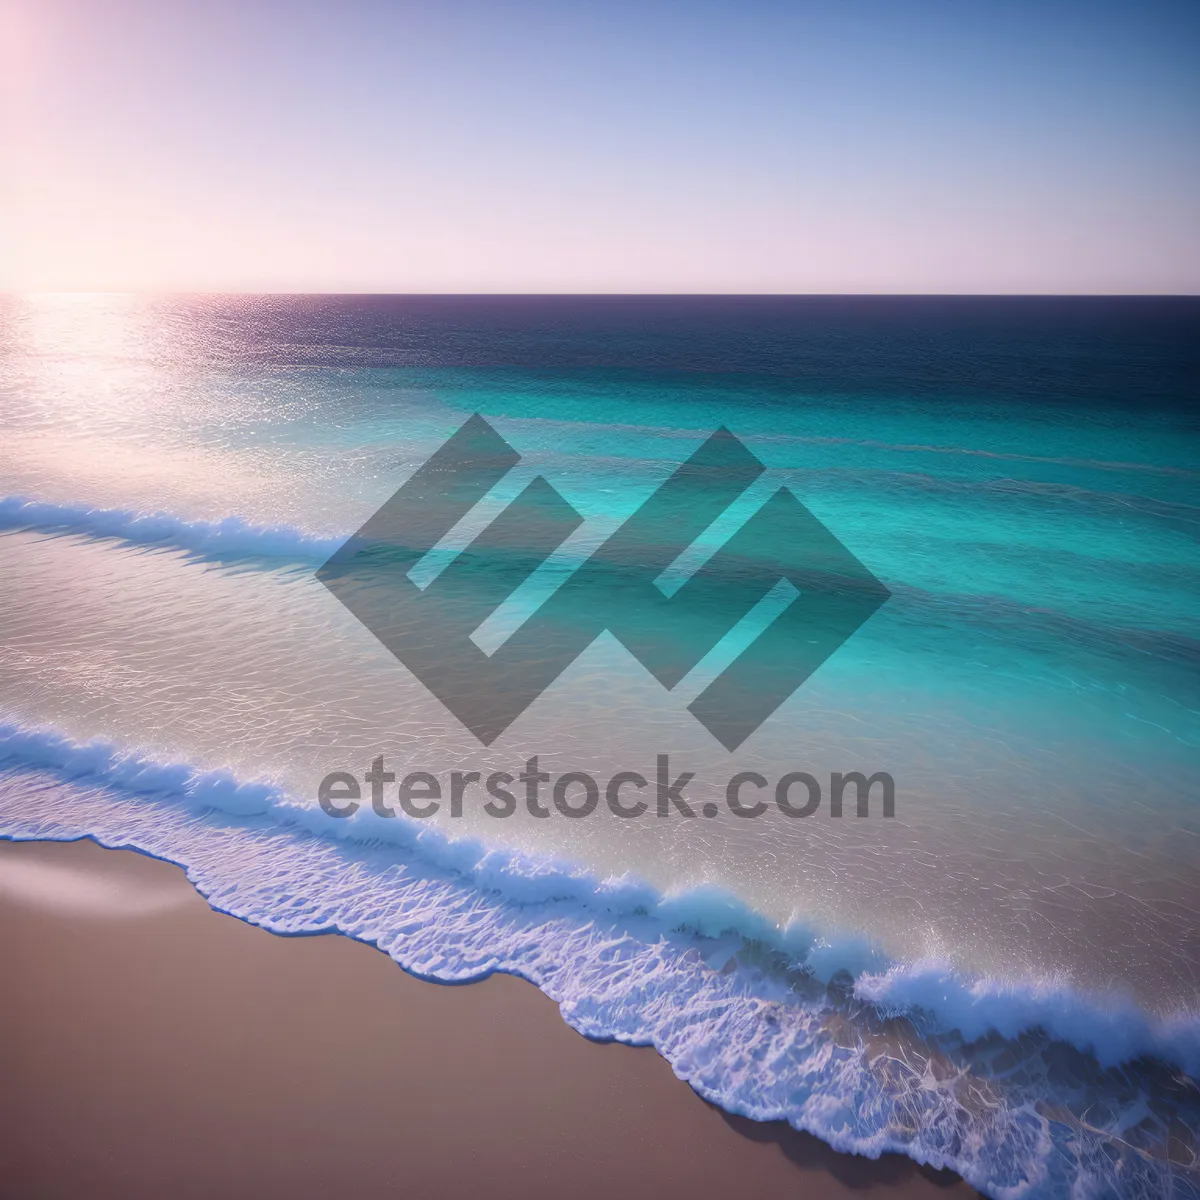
(231, 537)
(1025, 1089)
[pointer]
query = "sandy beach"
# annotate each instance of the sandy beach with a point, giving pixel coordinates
(151, 1047)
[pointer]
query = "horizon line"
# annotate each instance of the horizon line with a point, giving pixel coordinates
(616, 295)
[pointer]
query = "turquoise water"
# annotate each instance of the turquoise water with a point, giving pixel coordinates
(1023, 477)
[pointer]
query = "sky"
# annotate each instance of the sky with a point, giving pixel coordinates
(658, 146)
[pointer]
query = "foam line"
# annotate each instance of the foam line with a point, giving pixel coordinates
(230, 537)
(692, 975)
(1112, 1028)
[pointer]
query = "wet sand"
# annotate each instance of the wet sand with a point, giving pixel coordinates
(152, 1048)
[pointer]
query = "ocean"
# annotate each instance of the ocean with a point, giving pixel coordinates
(1001, 977)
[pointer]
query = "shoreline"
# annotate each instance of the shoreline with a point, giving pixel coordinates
(155, 1046)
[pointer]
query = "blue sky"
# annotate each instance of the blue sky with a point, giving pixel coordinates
(930, 146)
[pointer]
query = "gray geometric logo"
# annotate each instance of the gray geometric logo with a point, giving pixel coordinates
(429, 630)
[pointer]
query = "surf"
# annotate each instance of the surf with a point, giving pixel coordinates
(706, 981)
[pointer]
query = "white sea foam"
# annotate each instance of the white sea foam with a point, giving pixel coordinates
(1113, 1028)
(710, 983)
(231, 537)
